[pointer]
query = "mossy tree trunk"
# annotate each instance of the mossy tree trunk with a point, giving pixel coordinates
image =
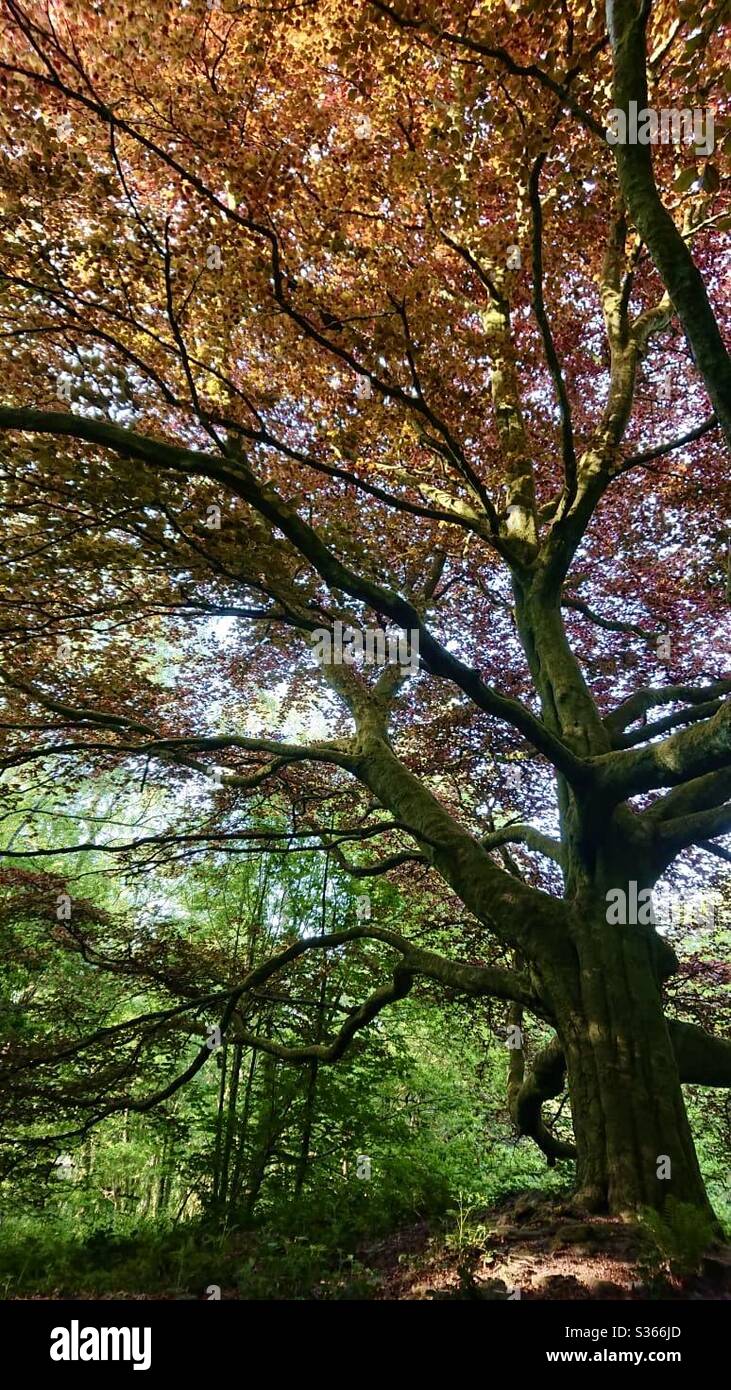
(633, 1142)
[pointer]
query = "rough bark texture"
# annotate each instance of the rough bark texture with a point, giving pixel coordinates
(627, 24)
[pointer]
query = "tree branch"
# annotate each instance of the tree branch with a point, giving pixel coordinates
(659, 450)
(520, 834)
(549, 347)
(651, 697)
(703, 1060)
(238, 477)
(627, 25)
(683, 756)
(677, 834)
(544, 1081)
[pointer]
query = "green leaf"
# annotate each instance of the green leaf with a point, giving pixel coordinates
(684, 180)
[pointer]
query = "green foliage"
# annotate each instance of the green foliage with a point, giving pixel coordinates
(250, 1176)
(678, 1236)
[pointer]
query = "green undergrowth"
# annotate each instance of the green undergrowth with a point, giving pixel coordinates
(314, 1248)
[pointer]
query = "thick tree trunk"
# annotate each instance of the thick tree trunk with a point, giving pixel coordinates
(633, 1140)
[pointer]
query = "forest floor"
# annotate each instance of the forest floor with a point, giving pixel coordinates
(528, 1245)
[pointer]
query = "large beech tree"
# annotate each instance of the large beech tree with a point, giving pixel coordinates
(335, 313)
